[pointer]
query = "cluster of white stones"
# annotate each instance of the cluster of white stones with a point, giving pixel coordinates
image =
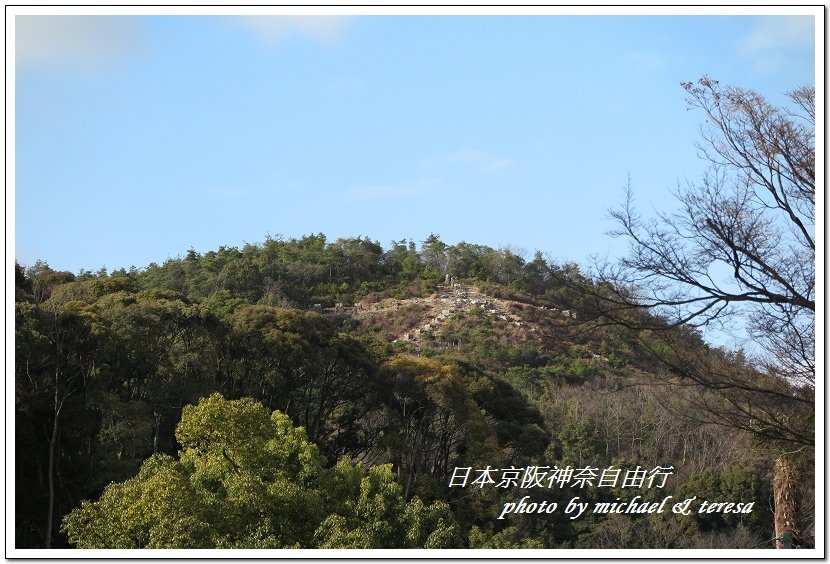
(450, 299)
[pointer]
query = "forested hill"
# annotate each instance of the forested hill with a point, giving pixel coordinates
(400, 365)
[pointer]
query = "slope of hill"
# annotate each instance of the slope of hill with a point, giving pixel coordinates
(426, 361)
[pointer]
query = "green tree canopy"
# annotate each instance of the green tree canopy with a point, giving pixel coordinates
(247, 478)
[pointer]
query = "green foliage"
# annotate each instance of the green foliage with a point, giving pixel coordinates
(296, 361)
(247, 478)
(156, 509)
(438, 418)
(518, 425)
(530, 381)
(129, 353)
(575, 367)
(508, 538)
(43, 280)
(578, 441)
(738, 483)
(377, 516)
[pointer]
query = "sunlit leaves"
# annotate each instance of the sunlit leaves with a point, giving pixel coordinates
(248, 478)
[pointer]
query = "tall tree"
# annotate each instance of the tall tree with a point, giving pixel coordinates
(297, 362)
(55, 346)
(741, 246)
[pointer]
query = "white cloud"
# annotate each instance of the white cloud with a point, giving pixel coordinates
(776, 33)
(777, 42)
(274, 29)
(86, 41)
(481, 161)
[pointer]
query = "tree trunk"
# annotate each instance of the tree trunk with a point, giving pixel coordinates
(51, 482)
(785, 491)
(50, 477)
(156, 430)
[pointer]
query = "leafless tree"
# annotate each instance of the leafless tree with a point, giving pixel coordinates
(741, 246)
(742, 241)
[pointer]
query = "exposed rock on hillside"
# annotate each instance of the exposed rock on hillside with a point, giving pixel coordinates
(432, 320)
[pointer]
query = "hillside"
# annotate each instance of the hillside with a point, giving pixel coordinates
(406, 363)
(425, 320)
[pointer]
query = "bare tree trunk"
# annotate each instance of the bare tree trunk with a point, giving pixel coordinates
(785, 484)
(50, 477)
(51, 481)
(409, 479)
(156, 426)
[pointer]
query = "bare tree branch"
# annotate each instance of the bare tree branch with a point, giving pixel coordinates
(740, 247)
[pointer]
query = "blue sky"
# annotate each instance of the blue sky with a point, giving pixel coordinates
(137, 138)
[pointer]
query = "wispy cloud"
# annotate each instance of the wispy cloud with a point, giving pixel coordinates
(480, 160)
(775, 33)
(774, 39)
(410, 189)
(89, 42)
(275, 29)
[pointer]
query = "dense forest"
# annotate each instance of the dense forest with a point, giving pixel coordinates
(313, 393)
